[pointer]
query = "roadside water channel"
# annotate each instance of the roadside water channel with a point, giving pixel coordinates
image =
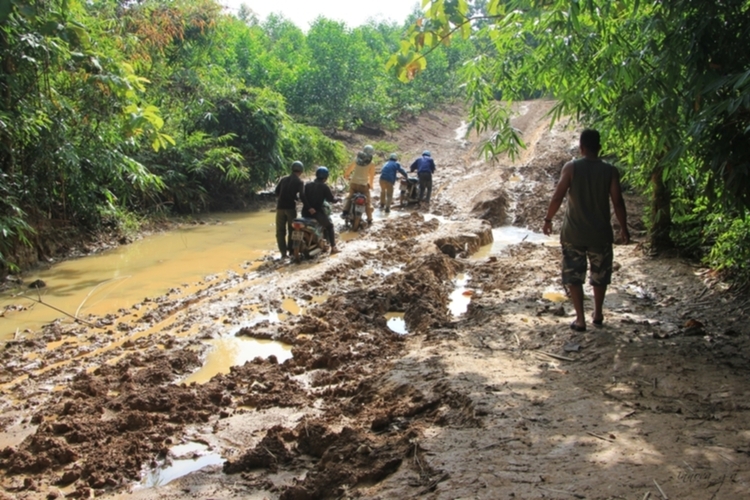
(118, 278)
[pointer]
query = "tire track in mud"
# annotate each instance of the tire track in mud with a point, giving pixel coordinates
(112, 420)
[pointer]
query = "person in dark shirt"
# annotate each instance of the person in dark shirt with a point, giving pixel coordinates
(589, 184)
(288, 190)
(424, 166)
(317, 193)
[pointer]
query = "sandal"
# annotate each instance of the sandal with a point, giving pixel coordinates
(576, 328)
(598, 322)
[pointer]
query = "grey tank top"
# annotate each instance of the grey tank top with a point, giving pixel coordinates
(587, 219)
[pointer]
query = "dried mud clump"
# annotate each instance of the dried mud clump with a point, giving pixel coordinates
(261, 383)
(109, 423)
(492, 206)
(465, 244)
(402, 228)
(422, 292)
(352, 458)
(268, 454)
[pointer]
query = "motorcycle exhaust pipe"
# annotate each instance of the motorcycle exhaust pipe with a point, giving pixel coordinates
(314, 252)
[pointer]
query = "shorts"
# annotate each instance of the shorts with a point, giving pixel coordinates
(574, 264)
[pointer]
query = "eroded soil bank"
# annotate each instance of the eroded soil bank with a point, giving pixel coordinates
(502, 401)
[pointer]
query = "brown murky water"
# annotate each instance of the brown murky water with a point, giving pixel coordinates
(150, 267)
(505, 236)
(232, 351)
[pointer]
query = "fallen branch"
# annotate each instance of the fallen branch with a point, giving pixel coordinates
(600, 437)
(94, 289)
(430, 487)
(555, 356)
(39, 300)
(577, 495)
(664, 495)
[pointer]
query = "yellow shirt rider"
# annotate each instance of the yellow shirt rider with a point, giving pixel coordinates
(362, 172)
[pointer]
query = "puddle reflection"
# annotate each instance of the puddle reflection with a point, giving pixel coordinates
(461, 296)
(396, 322)
(236, 351)
(199, 457)
(555, 296)
(505, 236)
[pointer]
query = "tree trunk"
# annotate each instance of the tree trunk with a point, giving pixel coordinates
(661, 212)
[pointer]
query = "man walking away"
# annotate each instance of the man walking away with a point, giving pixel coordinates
(424, 166)
(388, 175)
(288, 190)
(586, 230)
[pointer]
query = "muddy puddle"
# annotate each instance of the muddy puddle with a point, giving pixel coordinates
(396, 323)
(460, 297)
(505, 236)
(183, 459)
(120, 277)
(231, 351)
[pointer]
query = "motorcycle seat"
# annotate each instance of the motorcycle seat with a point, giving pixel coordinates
(306, 221)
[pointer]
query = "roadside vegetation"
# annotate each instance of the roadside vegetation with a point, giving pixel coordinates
(667, 83)
(112, 111)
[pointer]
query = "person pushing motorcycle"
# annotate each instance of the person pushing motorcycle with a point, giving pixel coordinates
(317, 193)
(362, 172)
(288, 190)
(424, 166)
(388, 175)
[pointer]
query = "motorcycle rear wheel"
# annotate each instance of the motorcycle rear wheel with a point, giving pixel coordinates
(355, 222)
(297, 255)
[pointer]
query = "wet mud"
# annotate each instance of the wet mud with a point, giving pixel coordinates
(494, 397)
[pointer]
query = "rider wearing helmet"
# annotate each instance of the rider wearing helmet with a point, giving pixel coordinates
(388, 175)
(362, 172)
(317, 193)
(288, 190)
(425, 167)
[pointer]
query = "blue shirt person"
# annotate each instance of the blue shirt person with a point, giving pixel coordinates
(424, 166)
(388, 175)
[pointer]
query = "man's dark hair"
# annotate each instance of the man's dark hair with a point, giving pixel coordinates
(591, 141)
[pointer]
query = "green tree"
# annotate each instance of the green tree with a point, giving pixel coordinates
(668, 83)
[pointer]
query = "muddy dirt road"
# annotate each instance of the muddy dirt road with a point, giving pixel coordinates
(500, 401)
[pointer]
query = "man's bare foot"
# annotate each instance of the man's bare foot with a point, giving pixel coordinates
(577, 328)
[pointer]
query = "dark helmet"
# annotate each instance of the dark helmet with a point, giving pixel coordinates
(426, 153)
(369, 150)
(321, 173)
(297, 166)
(393, 157)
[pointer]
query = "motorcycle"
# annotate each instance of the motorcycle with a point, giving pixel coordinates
(409, 191)
(308, 239)
(358, 207)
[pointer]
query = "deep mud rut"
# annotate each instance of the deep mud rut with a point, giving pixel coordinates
(503, 401)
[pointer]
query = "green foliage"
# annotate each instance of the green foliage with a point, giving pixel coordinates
(112, 110)
(667, 83)
(13, 226)
(309, 145)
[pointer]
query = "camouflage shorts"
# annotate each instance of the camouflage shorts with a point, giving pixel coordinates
(574, 264)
